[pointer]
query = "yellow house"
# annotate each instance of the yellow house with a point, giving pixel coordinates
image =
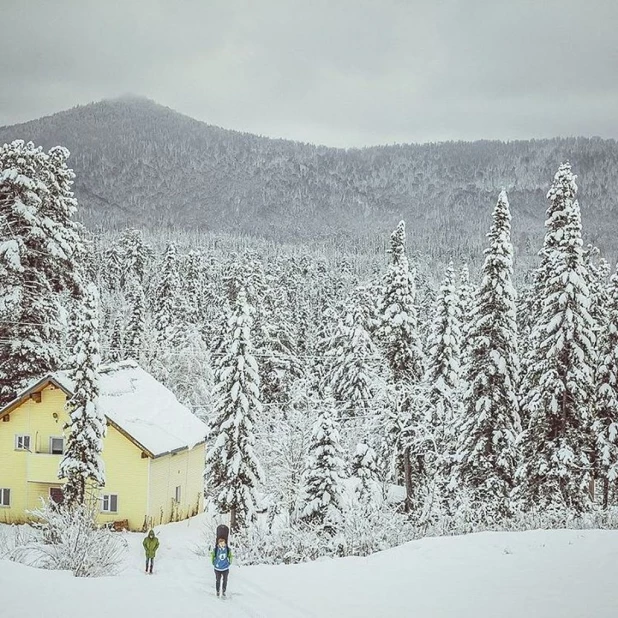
(153, 451)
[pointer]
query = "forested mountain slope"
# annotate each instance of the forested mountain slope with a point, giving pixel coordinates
(138, 163)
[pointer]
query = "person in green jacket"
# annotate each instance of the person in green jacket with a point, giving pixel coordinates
(151, 544)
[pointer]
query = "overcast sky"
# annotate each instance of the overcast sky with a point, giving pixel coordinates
(337, 72)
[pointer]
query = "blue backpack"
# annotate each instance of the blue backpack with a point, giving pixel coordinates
(221, 558)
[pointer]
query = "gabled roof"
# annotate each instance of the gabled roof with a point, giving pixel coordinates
(137, 404)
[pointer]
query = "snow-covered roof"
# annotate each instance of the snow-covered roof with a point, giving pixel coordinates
(143, 408)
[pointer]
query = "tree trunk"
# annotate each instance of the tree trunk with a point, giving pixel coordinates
(407, 472)
(605, 492)
(233, 521)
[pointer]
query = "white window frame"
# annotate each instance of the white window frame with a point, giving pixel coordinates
(23, 437)
(178, 494)
(106, 503)
(51, 441)
(5, 495)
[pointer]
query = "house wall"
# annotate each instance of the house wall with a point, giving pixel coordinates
(184, 469)
(126, 474)
(17, 467)
(30, 476)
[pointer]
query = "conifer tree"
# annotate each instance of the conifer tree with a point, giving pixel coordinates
(352, 373)
(466, 293)
(167, 298)
(193, 289)
(558, 385)
(232, 468)
(113, 266)
(606, 395)
(490, 421)
(40, 252)
(365, 469)
(397, 315)
(116, 352)
(442, 375)
(136, 327)
(325, 470)
(82, 463)
(136, 255)
(397, 331)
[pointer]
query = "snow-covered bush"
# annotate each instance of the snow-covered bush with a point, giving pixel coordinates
(66, 539)
(363, 530)
(12, 541)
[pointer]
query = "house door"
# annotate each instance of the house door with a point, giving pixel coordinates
(55, 493)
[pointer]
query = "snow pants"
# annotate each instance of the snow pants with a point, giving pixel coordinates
(221, 575)
(149, 564)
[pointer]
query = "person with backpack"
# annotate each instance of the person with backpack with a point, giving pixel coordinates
(151, 544)
(221, 557)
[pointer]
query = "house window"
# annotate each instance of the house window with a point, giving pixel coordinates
(5, 496)
(109, 503)
(56, 446)
(22, 443)
(177, 495)
(56, 495)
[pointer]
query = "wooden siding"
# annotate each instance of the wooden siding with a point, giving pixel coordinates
(37, 420)
(30, 476)
(183, 469)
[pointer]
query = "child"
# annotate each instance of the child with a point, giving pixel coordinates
(151, 544)
(221, 557)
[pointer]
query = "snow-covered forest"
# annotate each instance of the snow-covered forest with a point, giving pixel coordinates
(354, 401)
(145, 165)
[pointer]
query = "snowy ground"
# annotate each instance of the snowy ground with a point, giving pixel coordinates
(562, 574)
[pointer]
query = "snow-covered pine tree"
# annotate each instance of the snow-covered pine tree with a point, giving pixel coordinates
(365, 468)
(490, 422)
(466, 293)
(275, 335)
(166, 303)
(136, 255)
(558, 384)
(351, 359)
(40, 251)
(136, 327)
(325, 472)
(232, 469)
(397, 332)
(442, 375)
(116, 351)
(606, 396)
(81, 464)
(398, 323)
(599, 272)
(113, 272)
(527, 305)
(194, 288)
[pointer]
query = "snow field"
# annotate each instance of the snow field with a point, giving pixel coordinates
(544, 574)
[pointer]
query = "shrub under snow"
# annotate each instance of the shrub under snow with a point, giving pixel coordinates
(65, 539)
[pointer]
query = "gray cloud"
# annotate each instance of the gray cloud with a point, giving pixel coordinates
(340, 72)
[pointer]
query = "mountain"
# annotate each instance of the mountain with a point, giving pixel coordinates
(141, 164)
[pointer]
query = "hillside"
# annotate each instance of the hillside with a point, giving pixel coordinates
(537, 574)
(139, 163)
